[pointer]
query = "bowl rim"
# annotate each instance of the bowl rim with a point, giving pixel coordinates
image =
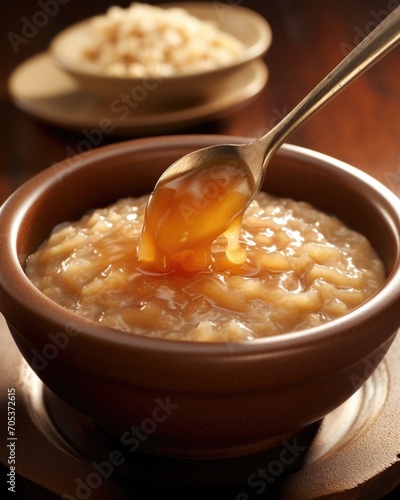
(23, 291)
(258, 49)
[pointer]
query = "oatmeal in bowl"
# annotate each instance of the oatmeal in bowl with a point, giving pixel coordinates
(233, 395)
(301, 268)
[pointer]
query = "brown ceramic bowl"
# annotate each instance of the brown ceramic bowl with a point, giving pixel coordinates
(193, 399)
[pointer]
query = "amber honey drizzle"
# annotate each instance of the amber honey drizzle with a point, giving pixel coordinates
(187, 213)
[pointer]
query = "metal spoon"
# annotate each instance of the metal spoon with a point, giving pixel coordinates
(256, 155)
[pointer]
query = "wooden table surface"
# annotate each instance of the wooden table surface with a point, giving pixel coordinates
(361, 126)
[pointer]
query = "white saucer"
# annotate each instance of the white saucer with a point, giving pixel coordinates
(47, 93)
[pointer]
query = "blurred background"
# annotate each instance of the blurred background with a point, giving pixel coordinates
(361, 126)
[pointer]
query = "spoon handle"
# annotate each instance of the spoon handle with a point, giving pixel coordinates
(382, 39)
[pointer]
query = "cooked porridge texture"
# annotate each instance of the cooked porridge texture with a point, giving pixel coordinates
(144, 40)
(302, 268)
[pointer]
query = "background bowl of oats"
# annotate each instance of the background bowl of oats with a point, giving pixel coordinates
(162, 55)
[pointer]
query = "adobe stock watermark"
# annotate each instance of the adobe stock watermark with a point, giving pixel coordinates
(370, 365)
(131, 441)
(277, 116)
(361, 33)
(47, 9)
(214, 183)
(120, 109)
(266, 476)
(393, 179)
(221, 8)
(57, 342)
